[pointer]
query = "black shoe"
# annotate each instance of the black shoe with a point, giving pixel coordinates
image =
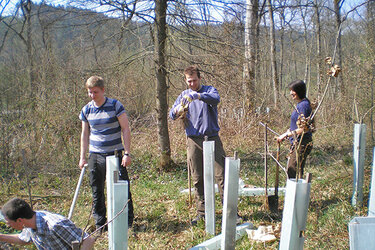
(130, 223)
(194, 222)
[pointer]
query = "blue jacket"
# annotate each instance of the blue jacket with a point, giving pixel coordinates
(303, 107)
(202, 113)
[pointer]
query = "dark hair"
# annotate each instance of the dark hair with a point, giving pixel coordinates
(17, 208)
(299, 87)
(191, 70)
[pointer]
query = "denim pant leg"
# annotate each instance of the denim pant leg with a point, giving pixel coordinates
(97, 168)
(123, 174)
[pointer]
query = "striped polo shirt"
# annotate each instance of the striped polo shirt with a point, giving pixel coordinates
(105, 130)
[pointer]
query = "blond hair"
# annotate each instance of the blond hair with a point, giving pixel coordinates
(95, 81)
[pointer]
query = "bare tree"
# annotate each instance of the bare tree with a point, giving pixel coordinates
(275, 77)
(4, 5)
(161, 82)
(318, 44)
(251, 45)
(337, 4)
(303, 12)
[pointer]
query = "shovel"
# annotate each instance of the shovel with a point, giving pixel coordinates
(266, 197)
(273, 200)
(77, 191)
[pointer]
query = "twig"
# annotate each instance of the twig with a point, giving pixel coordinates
(363, 117)
(278, 163)
(34, 196)
(329, 78)
(299, 165)
(88, 223)
(117, 215)
(261, 123)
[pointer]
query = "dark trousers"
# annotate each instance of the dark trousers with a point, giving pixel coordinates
(303, 151)
(195, 161)
(97, 166)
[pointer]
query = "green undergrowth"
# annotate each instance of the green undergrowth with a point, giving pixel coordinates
(163, 213)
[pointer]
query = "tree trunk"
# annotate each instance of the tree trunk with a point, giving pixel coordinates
(319, 59)
(338, 59)
(282, 34)
(161, 83)
(251, 41)
(26, 9)
(275, 78)
(305, 40)
(371, 59)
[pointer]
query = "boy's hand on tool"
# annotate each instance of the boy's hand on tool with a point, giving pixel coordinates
(82, 163)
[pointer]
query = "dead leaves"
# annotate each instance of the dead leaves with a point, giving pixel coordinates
(334, 70)
(303, 123)
(328, 60)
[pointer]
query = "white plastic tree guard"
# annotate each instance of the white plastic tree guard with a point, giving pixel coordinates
(232, 169)
(209, 185)
(244, 191)
(259, 191)
(359, 161)
(371, 206)
(117, 196)
(230, 233)
(120, 224)
(215, 242)
(296, 205)
(361, 233)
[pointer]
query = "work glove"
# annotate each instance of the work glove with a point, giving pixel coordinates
(188, 98)
(179, 110)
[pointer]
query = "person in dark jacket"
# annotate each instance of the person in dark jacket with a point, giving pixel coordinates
(299, 134)
(198, 104)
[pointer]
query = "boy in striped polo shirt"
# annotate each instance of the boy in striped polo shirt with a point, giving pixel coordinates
(104, 120)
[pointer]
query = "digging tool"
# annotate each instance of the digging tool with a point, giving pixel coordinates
(77, 191)
(265, 167)
(273, 200)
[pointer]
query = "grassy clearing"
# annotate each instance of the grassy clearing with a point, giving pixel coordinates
(163, 214)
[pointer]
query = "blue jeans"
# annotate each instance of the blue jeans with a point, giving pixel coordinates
(97, 166)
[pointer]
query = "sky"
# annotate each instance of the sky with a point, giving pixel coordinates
(347, 5)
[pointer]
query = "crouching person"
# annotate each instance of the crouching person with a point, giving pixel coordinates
(46, 230)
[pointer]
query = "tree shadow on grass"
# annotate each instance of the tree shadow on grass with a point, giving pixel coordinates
(265, 216)
(323, 205)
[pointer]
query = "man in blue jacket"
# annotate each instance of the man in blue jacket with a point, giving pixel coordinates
(198, 107)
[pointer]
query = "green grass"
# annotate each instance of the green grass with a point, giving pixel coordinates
(163, 214)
